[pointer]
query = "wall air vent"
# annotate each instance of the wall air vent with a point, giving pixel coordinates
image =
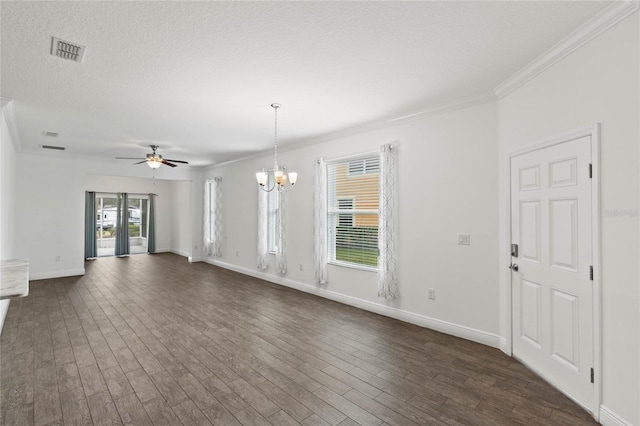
(50, 134)
(55, 148)
(67, 50)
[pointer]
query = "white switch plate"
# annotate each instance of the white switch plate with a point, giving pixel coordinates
(432, 294)
(464, 239)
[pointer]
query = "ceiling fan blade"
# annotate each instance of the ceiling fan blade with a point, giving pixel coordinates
(139, 162)
(178, 161)
(168, 164)
(128, 158)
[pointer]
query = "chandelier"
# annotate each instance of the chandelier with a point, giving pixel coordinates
(280, 176)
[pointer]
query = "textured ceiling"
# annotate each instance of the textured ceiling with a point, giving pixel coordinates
(197, 78)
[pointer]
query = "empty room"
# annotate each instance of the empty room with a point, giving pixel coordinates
(320, 213)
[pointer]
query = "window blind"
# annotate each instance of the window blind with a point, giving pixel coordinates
(353, 188)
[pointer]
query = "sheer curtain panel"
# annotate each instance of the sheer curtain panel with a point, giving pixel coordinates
(216, 219)
(122, 225)
(281, 234)
(387, 273)
(320, 221)
(90, 244)
(262, 237)
(151, 238)
(207, 228)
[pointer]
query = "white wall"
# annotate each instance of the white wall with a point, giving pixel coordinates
(597, 83)
(50, 203)
(447, 184)
(8, 174)
(181, 217)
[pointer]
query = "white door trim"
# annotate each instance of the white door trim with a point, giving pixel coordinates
(594, 132)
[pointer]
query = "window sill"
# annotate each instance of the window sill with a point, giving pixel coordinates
(353, 266)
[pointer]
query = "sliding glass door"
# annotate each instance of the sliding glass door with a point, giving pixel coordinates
(106, 206)
(106, 223)
(138, 224)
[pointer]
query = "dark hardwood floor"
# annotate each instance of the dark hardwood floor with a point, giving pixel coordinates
(155, 340)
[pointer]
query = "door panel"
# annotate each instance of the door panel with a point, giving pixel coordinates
(530, 303)
(563, 234)
(530, 230)
(565, 328)
(551, 288)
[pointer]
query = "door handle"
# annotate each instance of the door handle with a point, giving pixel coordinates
(514, 267)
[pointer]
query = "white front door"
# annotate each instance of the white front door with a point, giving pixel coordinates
(552, 284)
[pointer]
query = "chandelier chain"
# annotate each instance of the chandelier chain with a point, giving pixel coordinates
(276, 139)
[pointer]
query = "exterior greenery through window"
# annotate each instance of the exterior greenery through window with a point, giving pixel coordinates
(353, 200)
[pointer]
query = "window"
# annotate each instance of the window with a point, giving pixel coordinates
(272, 210)
(353, 188)
(364, 166)
(345, 219)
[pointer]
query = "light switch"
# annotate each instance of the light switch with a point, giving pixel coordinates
(464, 239)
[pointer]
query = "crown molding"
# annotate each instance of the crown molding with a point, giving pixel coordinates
(454, 105)
(10, 118)
(600, 23)
(451, 106)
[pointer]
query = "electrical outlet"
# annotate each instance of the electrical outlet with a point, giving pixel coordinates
(464, 239)
(237, 254)
(301, 267)
(57, 258)
(432, 294)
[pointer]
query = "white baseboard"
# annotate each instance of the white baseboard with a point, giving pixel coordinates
(609, 418)
(464, 332)
(55, 274)
(193, 259)
(504, 347)
(180, 253)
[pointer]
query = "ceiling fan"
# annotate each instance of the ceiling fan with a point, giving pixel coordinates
(154, 160)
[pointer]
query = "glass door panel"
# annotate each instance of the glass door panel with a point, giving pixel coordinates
(106, 225)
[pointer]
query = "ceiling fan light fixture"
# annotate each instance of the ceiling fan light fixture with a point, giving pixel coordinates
(154, 162)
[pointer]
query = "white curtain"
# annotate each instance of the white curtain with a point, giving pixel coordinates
(216, 217)
(387, 273)
(207, 244)
(281, 234)
(320, 221)
(263, 249)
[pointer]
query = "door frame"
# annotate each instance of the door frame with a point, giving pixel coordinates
(594, 132)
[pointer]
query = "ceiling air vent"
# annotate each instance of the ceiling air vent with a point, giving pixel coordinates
(55, 148)
(67, 50)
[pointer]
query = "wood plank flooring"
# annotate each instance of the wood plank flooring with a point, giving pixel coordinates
(154, 340)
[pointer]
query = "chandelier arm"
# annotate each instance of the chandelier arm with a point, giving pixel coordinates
(270, 189)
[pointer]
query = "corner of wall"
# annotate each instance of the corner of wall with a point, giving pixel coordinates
(4, 307)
